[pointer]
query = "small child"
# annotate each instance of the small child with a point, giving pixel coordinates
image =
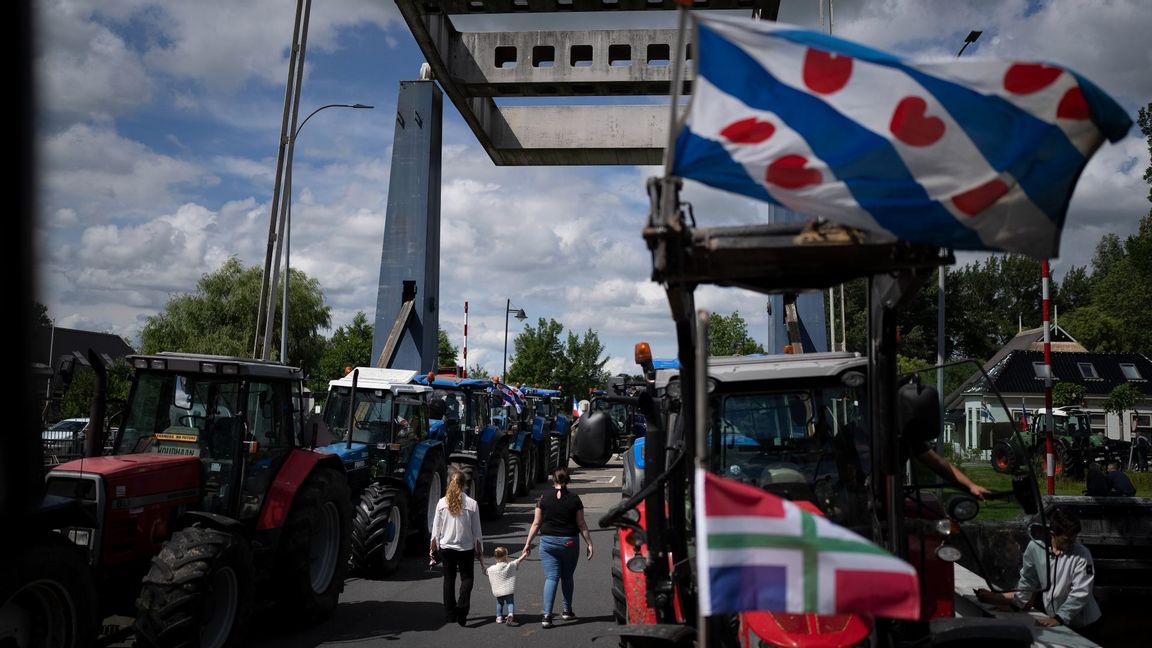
(502, 576)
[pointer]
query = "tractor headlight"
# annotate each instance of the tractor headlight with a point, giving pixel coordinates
(948, 553)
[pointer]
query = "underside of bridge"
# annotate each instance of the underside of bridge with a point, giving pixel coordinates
(543, 96)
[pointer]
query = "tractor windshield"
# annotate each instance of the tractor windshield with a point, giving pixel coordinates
(371, 422)
(806, 444)
(182, 414)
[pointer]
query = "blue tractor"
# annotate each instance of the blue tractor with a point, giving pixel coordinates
(376, 421)
(478, 438)
(550, 429)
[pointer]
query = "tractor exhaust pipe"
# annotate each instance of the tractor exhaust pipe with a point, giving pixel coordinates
(94, 442)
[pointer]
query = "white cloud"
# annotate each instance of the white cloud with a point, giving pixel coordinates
(84, 68)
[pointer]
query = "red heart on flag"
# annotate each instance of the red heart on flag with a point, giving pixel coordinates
(1026, 78)
(911, 124)
(825, 72)
(976, 200)
(1073, 105)
(748, 131)
(790, 172)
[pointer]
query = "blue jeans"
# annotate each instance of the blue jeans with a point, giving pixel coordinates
(559, 555)
(502, 601)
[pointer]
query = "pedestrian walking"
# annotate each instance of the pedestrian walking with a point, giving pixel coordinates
(559, 520)
(502, 577)
(457, 541)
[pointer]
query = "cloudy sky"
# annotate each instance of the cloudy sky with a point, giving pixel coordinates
(159, 122)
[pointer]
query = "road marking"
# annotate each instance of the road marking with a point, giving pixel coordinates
(611, 479)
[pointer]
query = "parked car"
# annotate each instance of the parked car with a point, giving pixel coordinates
(64, 440)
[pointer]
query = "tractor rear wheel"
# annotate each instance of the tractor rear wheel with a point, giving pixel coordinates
(315, 545)
(495, 484)
(379, 530)
(529, 467)
(198, 591)
(552, 459)
(47, 598)
(429, 489)
(515, 474)
(619, 598)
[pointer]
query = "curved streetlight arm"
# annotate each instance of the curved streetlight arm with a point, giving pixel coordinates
(358, 106)
(288, 228)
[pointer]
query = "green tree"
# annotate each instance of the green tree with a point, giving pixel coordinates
(1121, 399)
(219, 317)
(987, 300)
(1144, 121)
(445, 351)
(582, 368)
(478, 370)
(728, 336)
(77, 401)
(40, 316)
(538, 353)
(350, 346)
(1074, 290)
(1068, 394)
(1095, 329)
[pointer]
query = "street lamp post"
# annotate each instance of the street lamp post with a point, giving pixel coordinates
(520, 316)
(288, 221)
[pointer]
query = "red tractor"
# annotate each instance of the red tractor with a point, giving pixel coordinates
(208, 507)
(824, 430)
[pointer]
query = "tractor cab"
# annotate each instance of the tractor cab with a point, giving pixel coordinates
(235, 418)
(374, 419)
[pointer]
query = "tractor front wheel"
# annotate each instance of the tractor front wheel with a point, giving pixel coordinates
(315, 545)
(47, 598)
(429, 489)
(379, 530)
(529, 467)
(198, 591)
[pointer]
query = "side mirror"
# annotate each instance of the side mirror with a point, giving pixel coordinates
(918, 411)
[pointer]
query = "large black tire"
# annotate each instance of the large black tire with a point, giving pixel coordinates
(469, 470)
(515, 474)
(379, 530)
(619, 598)
(552, 459)
(495, 484)
(529, 467)
(430, 486)
(1005, 457)
(47, 599)
(198, 592)
(315, 546)
(565, 450)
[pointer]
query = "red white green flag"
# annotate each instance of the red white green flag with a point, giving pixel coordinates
(756, 551)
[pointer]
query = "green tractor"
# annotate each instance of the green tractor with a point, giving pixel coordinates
(1074, 443)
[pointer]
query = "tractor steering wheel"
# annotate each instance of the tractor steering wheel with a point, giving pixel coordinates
(190, 420)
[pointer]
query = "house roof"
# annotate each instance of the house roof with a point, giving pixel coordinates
(60, 342)
(1028, 339)
(1017, 376)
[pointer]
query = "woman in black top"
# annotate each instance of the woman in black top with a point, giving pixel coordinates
(559, 520)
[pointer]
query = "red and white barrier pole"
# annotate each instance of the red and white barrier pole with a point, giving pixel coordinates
(465, 371)
(1048, 423)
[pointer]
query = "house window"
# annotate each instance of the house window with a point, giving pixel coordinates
(1088, 371)
(1040, 369)
(1131, 372)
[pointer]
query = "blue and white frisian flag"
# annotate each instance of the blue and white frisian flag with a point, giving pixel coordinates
(967, 154)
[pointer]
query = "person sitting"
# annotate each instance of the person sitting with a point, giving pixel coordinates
(1118, 483)
(1060, 577)
(1097, 484)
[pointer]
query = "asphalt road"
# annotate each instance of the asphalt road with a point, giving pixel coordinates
(407, 607)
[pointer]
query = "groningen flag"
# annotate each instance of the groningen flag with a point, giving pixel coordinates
(756, 551)
(968, 154)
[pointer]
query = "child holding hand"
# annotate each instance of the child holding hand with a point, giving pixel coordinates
(502, 576)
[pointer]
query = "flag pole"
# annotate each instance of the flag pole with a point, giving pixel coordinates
(668, 194)
(701, 395)
(1050, 450)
